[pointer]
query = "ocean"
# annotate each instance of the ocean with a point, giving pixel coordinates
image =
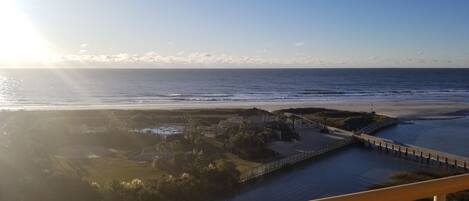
(64, 87)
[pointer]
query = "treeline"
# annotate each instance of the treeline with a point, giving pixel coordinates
(250, 141)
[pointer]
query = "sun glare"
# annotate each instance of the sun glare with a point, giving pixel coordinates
(20, 43)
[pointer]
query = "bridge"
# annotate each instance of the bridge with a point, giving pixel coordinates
(424, 154)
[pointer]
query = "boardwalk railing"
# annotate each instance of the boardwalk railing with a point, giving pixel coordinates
(290, 160)
(412, 150)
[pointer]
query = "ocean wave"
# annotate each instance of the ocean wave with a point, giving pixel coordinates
(302, 95)
(382, 92)
(154, 86)
(321, 92)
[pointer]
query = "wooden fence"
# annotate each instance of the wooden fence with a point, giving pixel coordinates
(290, 160)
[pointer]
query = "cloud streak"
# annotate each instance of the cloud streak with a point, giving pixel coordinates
(299, 44)
(198, 59)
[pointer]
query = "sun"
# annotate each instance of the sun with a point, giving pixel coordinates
(20, 42)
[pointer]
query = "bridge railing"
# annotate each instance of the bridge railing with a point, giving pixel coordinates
(412, 150)
(436, 189)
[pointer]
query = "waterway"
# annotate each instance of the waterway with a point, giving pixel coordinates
(356, 168)
(448, 135)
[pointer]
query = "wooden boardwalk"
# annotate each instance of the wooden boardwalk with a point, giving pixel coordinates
(422, 153)
(426, 154)
(410, 151)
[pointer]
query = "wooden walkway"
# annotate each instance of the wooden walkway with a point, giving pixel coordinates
(422, 153)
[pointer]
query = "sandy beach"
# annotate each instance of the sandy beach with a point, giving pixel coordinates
(401, 109)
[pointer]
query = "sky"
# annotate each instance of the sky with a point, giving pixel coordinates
(234, 33)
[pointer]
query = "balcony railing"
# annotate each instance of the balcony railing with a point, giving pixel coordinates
(435, 188)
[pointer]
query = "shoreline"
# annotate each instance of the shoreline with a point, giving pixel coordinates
(411, 109)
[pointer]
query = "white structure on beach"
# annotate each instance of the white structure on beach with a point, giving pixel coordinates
(162, 130)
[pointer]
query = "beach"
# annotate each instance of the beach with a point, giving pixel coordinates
(400, 109)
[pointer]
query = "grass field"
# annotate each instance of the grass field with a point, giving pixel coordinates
(241, 164)
(107, 169)
(103, 170)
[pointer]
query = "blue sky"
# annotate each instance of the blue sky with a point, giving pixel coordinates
(308, 33)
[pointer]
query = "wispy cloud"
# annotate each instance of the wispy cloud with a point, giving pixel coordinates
(420, 52)
(181, 58)
(299, 44)
(149, 59)
(206, 58)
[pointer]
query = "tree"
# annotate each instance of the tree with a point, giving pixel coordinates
(193, 134)
(249, 141)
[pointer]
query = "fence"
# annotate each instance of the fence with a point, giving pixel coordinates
(290, 160)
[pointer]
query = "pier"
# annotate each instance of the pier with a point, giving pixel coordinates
(411, 151)
(428, 155)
